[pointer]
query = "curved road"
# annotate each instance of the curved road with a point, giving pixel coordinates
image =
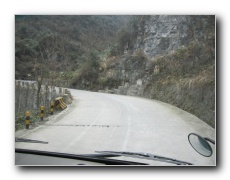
(100, 122)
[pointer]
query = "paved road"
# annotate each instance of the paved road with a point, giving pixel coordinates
(100, 122)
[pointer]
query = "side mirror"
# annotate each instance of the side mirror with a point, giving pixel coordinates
(200, 144)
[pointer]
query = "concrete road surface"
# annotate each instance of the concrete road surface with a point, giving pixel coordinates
(108, 122)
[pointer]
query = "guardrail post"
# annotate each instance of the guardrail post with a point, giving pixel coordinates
(52, 108)
(27, 119)
(42, 112)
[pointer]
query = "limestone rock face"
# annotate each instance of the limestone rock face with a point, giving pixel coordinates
(162, 33)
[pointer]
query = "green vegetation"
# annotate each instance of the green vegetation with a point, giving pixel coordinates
(51, 45)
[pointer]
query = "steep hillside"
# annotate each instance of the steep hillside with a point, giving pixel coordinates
(50, 46)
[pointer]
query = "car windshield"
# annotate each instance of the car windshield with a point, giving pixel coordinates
(128, 88)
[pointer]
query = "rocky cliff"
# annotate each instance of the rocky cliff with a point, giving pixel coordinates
(163, 33)
(158, 34)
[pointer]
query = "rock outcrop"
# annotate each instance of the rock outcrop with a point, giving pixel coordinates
(163, 33)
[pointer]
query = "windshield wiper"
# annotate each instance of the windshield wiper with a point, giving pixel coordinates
(29, 140)
(146, 156)
(85, 157)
